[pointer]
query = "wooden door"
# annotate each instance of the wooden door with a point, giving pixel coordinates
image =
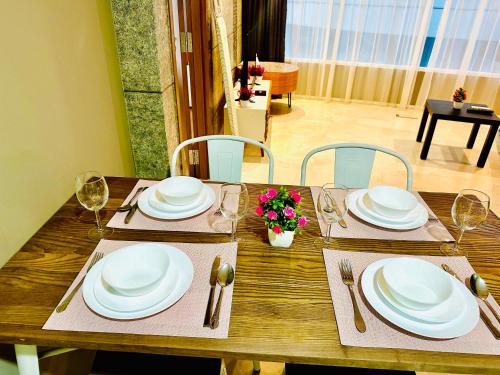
(190, 30)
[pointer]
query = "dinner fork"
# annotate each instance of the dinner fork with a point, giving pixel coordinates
(218, 212)
(348, 279)
(64, 304)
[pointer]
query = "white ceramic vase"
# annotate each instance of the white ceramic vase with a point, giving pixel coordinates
(458, 105)
(244, 103)
(258, 79)
(284, 239)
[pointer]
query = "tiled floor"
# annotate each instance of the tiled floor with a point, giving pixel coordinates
(449, 167)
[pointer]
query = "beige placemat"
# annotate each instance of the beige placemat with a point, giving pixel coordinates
(383, 334)
(184, 318)
(205, 222)
(433, 230)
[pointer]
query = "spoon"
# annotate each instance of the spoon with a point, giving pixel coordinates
(480, 290)
(225, 277)
(128, 206)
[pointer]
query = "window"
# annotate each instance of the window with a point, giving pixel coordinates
(387, 31)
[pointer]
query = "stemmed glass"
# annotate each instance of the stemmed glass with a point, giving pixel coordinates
(332, 207)
(469, 211)
(92, 193)
(234, 204)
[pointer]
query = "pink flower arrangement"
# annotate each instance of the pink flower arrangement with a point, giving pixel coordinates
(256, 70)
(459, 95)
(245, 93)
(280, 210)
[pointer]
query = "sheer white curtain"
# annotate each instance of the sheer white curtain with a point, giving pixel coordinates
(373, 50)
(466, 53)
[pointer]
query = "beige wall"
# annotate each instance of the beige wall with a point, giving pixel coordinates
(61, 111)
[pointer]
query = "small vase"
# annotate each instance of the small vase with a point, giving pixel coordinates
(244, 103)
(458, 105)
(258, 80)
(251, 80)
(283, 239)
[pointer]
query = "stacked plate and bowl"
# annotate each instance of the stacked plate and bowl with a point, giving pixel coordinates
(137, 281)
(420, 297)
(176, 197)
(388, 207)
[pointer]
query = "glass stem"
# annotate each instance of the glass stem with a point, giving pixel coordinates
(98, 219)
(457, 243)
(328, 238)
(233, 230)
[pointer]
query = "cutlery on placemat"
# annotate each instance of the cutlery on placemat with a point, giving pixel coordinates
(64, 304)
(333, 203)
(348, 279)
(133, 209)
(480, 289)
(224, 278)
(218, 212)
(128, 206)
(486, 319)
(213, 284)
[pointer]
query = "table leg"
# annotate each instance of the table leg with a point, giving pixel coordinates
(473, 135)
(289, 100)
(27, 359)
(428, 138)
(423, 122)
(256, 366)
(492, 133)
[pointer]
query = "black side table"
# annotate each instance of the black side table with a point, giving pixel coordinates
(443, 110)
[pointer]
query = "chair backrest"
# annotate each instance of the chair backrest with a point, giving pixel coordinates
(225, 156)
(354, 163)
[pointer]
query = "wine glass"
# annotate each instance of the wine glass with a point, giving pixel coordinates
(332, 207)
(234, 204)
(469, 211)
(92, 192)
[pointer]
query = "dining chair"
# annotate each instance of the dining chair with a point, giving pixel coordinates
(225, 156)
(354, 163)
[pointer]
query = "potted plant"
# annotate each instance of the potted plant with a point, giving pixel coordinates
(257, 71)
(458, 98)
(281, 212)
(244, 95)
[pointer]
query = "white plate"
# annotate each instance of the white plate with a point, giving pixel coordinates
(461, 325)
(145, 207)
(364, 205)
(352, 205)
(157, 204)
(121, 303)
(177, 257)
(444, 312)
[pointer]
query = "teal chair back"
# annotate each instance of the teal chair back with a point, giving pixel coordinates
(354, 163)
(225, 156)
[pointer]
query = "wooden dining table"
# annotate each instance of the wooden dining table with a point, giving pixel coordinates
(281, 310)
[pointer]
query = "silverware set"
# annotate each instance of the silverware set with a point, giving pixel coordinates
(348, 279)
(494, 330)
(224, 276)
(131, 206)
(64, 304)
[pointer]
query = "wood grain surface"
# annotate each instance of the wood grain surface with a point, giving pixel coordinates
(281, 309)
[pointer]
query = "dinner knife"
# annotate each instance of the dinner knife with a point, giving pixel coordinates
(134, 207)
(341, 222)
(213, 284)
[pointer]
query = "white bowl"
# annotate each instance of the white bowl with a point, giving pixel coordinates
(179, 190)
(417, 284)
(391, 201)
(117, 302)
(135, 270)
